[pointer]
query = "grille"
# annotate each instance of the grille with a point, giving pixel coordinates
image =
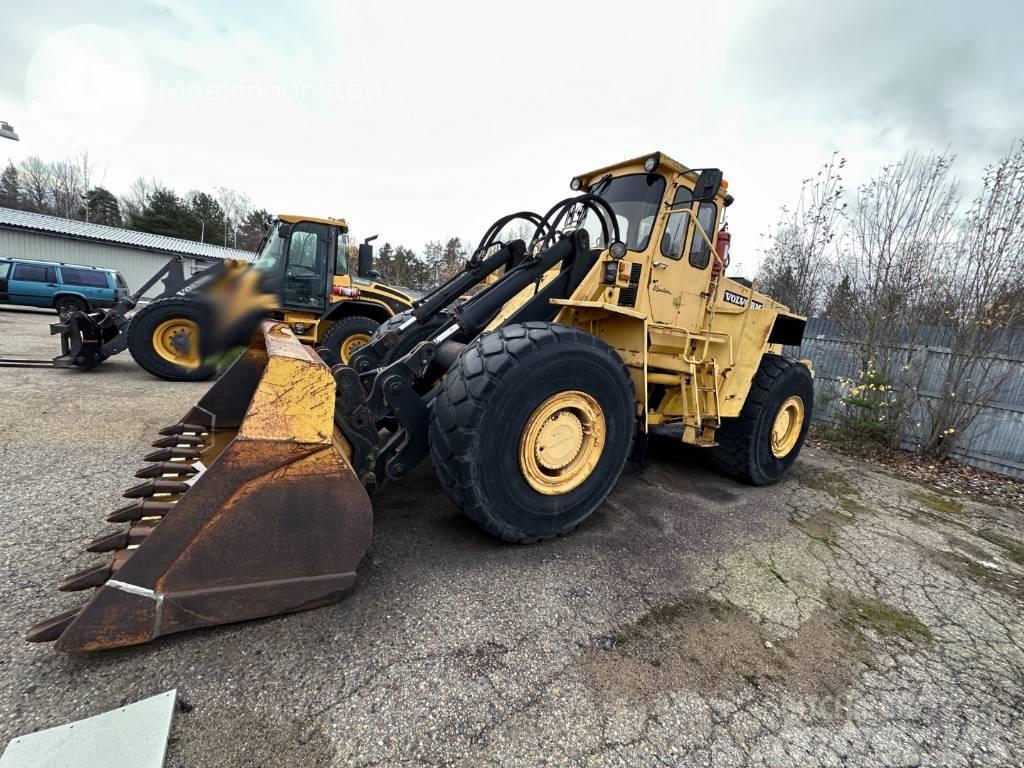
(627, 295)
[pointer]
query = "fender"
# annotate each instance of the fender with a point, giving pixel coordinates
(373, 308)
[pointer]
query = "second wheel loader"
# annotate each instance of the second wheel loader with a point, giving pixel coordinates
(308, 274)
(528, 395)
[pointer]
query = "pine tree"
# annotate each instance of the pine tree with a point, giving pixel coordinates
(166, 214)
(102, 207)
(207, 218)
(253, 228)
(10, 193)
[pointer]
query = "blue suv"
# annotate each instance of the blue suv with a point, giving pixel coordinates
(65, 287)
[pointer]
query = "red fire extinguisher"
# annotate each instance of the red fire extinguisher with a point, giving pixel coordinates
(721, 251)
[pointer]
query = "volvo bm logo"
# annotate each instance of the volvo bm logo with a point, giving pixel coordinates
(741, 301)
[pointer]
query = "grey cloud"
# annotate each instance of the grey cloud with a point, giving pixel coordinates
(935, 74)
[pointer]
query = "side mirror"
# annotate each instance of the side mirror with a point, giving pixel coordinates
(366, 261)
(708, 183)
(284, 230)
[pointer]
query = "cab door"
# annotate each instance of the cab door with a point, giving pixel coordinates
(304, 283)
(680, 269)
(344, 261)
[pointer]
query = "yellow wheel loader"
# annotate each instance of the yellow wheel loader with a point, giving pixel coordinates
(308, 274)
(529, 379)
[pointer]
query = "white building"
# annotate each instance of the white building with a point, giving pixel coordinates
(136, 255)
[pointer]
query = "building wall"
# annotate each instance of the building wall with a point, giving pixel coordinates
(137, 266)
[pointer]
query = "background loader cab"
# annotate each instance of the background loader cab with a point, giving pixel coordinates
(326, 284)
(307, 273)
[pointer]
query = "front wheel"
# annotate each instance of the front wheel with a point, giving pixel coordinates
(348, 335)
(532, 428)
(760, 445)
(163, 338)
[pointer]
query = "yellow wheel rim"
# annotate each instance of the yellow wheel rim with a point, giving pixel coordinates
(177, 341)
(351, 344)
(789, 421)
(562, 442)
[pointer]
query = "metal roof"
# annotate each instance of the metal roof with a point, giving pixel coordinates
(129, 238)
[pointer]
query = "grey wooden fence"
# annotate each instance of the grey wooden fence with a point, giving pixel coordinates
(995, 441)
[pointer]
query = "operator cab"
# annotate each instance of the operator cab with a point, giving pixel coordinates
(637, 197)
(300, 257)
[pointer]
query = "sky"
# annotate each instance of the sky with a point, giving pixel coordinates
(417, 121)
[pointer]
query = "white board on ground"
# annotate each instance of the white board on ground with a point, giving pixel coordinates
(134, 736)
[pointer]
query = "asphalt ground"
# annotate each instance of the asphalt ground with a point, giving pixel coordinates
(842, 617)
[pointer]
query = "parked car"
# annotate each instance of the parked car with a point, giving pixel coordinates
(67, 288)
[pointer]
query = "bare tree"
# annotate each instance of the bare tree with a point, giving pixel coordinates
(236, 207)
(135, 200)
(901, 231)
(980, 291)
(66, 188)
(36, 184)
(797, 261)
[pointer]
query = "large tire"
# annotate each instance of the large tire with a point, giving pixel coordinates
(745, 445)
(494, 396)
(146, 349)
(348, 334)
(66, 306)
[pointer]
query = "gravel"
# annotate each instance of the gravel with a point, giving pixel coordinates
(839, 618)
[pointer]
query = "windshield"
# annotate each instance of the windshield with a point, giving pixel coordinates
(636, 199)
(270, 256)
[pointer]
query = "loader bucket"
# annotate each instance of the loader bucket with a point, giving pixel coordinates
(250, 508)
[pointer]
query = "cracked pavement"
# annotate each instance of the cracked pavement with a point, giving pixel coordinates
(843, 617)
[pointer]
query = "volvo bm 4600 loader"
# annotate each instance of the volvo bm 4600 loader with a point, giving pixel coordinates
(529, 378)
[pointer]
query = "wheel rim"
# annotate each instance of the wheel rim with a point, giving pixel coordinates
(176, 341)
(562, 442)
(789, 422)
(350, 345)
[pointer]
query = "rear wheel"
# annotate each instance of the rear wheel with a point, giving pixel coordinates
(66, 306)
(163, 338)
(348, 335)
(761, 444)
(532, 428)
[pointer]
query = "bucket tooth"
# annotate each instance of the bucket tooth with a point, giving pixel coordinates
(48, 630)
(177, 440)
(139, 510)
(178, 429)
(166, 454)
(87, 579)
(110, 542)
(152, 487)
(162, 468)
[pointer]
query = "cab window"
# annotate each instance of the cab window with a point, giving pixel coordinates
(678, 224)
(5, 268)
(635, 198)
(341, 254)
(700, 253)
(304, 270)
(35, 273)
